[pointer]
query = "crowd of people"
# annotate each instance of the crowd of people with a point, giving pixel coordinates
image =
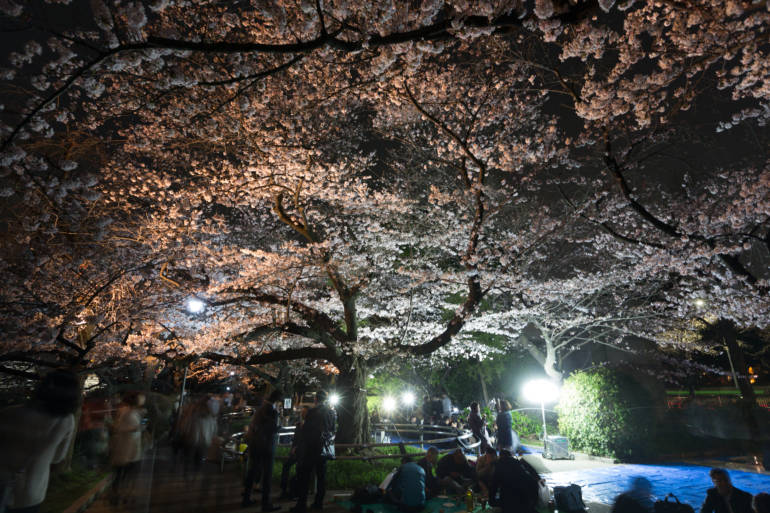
(38, 434)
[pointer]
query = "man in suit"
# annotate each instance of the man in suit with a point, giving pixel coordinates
(724, 497)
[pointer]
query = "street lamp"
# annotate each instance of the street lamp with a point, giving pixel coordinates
(195, 305)
(334, 399)
(408, 399)
(541, 391)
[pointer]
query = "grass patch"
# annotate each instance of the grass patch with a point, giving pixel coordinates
(352, 474)
(67, 487)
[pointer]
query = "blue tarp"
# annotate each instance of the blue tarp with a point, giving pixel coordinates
(688, 482)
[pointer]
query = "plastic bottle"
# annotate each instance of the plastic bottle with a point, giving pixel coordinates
(469, 500)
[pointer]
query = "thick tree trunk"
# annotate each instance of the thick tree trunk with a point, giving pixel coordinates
(352, 413)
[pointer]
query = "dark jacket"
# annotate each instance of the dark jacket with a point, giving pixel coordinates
(715, 503)
(516, 488)
(408, 485)
(625, 503)
(317, 434)
(447, 465)
(264, 427)
(431, 482)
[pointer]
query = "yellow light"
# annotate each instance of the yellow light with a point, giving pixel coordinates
(752, 381)
(751, 370)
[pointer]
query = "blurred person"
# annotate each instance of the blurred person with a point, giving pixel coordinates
(407, 489)
(506, 436)
(93, 437)
(446, 406)
(454, 472)
(126, 445)
(761, 503)
(637, 499)
(485, 469)
(292, 459)
(34, 436)
(262, 438)
(724, 497)
(513, 489)
(315, 449)
(198, 429)
(478, 425)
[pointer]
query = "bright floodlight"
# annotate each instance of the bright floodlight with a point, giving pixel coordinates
(541, 391)
(700, 303)
(195, 305)
(334, 399)
(408, 398)
(388, 404)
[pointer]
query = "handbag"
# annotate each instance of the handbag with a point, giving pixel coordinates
(665, 506)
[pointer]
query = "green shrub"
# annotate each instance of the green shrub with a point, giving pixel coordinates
(524, 425)
(607, 413)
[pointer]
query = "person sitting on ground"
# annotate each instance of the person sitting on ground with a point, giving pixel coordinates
(638, 499)
(761, 503)
(407, 489)
(454, 471)
(485, 469)
(724, 497)
(512, 489)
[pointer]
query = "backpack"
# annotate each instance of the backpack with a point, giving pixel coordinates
(672, 507)
(569, 499)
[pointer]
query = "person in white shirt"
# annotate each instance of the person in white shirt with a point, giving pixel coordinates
(34, 436)
(126, 445)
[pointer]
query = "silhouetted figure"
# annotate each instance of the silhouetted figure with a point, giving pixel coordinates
(478, 425)
(263, 440)
(761, 503)
(316, 447)
(34, 436)
(292, 460)
(724, 497)
(198, 429)
(454, 471)
(637, 499)
(506, 436)
(485, 469)
(512, 489)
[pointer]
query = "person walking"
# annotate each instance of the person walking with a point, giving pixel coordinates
(198, 431)
(263, 440)
(315, 449)
(34, 436)
(126, 445)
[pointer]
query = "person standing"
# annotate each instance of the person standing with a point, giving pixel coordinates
(478, 427)
(292, 459)
(34, 436)
(263, 440)
(506, 437)
(446, 406)
(315, 449)
(126, 444)
(724, 497)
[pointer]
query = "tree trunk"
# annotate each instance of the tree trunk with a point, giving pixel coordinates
(483, 386)
(352, 413)
(728, 334)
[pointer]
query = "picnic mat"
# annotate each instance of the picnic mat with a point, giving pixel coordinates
(436, 505)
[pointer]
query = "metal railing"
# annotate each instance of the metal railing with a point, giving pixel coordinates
(460, 437)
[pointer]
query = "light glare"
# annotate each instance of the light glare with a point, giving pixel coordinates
(541, 391)
(389, 404)
(195, 305)
(408, 398)
(334, 399)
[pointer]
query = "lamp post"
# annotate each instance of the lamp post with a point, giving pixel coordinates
(541, 391)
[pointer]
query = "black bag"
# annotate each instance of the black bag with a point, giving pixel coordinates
(368, 494)
(569, 499)
(672, 507)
